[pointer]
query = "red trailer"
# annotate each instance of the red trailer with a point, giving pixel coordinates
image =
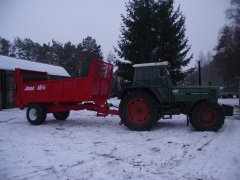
(42, 96)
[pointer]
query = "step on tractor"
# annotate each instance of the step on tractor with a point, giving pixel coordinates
(149, 98)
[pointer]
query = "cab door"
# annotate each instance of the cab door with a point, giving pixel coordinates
(161, 83)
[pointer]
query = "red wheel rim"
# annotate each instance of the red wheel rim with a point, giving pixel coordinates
(207, 117)
(138, 110)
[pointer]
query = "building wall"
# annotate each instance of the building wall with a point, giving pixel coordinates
(7, 88)
(3, 89)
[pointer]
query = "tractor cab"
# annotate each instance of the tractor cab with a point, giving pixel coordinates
(154, 76)
(151, 74)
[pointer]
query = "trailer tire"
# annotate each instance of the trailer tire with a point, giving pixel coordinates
(62, 115)
(36, 115)
(138, 111)
(207, 116)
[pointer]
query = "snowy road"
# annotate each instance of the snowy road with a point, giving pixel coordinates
(87, 147)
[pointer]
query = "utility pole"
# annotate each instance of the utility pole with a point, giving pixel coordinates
(239, 90)
(199, 74)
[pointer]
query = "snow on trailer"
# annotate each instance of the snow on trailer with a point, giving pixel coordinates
(43, 96)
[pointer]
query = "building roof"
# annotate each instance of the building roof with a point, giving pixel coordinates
(9, 63)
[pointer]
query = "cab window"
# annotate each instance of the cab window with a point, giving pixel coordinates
(143, 76)
(159, 76)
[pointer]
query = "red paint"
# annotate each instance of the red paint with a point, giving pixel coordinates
(138, 110)
(207, 117)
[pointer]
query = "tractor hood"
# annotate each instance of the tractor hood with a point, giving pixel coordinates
(192, 93)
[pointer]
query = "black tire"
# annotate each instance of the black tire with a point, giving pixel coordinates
(207, 116)
(138, 111)
(63, 115)
(36, 115)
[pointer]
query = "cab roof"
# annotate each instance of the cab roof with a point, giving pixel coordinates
(164, 63)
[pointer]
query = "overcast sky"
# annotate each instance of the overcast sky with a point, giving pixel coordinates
(73, 20)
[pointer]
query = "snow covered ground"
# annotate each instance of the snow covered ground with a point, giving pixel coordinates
(87, 147)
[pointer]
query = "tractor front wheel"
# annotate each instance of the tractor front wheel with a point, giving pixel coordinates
(207, 116)
(36, 115)
(138, 111)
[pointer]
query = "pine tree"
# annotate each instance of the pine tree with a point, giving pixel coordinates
(90, 50)
(69, 57)
(57, 53)
(234, 12)
(152, 31)
(136, 40)
(171, 43)
(5, 47)
(227, 57)
(26, 49)
(17, 44)
(75, 59)
(44, 53)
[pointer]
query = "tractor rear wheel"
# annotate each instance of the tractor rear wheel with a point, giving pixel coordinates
(207, 116)
(63, 115)
(138, 111)
(36, 115)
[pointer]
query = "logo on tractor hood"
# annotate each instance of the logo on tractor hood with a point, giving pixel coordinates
(175, 91)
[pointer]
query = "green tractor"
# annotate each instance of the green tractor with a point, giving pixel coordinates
(152, 97)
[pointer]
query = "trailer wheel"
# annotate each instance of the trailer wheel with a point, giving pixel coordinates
(63, 115)
(138, 111)
(36, 115)
(207, 116)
